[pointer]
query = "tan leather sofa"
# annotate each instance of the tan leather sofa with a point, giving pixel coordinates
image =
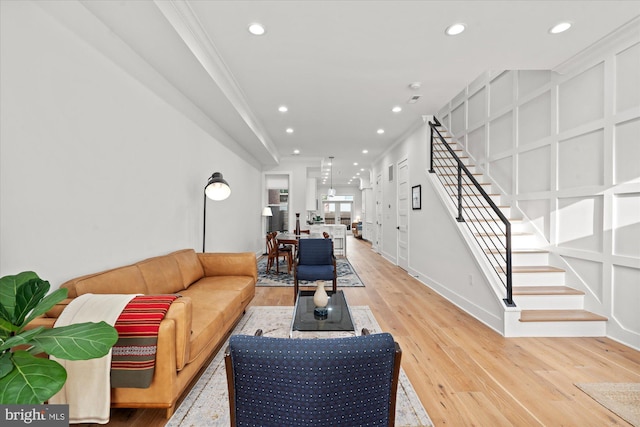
(215, 287)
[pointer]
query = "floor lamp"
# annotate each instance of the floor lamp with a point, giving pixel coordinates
(216, 189)
(266, 212)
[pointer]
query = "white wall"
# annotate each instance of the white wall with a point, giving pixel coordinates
(96, 170)
(565, 148)
(438, 255)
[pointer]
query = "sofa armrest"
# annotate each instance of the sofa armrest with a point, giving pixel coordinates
(48, 319)
(47, 322)
(57, 309)
(229, 264)
(180, 312)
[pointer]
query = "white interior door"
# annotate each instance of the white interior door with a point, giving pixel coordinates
(403, 214)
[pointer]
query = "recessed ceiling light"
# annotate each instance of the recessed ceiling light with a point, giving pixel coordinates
(283, 109)
(355, 163)
(560, 27)
(365, 151)
(296, 151)
(454, 29)
(289, 130)
(396, 109)
(380, 131)
(257, 29)
(361, 169)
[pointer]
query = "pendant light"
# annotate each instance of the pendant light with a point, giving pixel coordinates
(332, 191)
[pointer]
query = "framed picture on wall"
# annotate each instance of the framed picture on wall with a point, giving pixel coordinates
(416, 197)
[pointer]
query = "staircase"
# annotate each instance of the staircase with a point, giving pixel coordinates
(544, 305)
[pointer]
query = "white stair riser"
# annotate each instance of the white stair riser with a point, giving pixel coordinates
(538, 279)
(480, 212)
(526, 241)
(477, 199)
(469, 189)
(533, 258)
(557, 329)
(549, 302)
(494, 225)
(521, 259)
(452, 169)
(448, 161)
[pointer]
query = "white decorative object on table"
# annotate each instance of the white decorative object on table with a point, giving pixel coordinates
(320, 298)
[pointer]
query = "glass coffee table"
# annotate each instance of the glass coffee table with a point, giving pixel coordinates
(337, 323)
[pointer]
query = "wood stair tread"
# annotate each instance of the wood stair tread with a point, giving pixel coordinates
(484, 206)
(545, 290)
(475, 195)
(517, 251)
(492, 220)
(466, 183)
(560, 316)
(515, 233)
(536, 269)
(527, 269)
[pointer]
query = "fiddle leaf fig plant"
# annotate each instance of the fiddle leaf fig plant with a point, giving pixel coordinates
(24, 377)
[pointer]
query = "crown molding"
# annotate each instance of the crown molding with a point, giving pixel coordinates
(182, 18)
(618, 40)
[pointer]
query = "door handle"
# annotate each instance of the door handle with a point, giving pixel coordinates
(398, 227)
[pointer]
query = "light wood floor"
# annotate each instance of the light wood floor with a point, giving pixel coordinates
(464, 373)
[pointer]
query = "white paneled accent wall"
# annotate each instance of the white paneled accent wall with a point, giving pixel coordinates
(564, 147)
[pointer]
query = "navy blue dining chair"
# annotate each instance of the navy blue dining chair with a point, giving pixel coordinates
(314, 261)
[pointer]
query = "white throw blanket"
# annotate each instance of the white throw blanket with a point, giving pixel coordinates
(87, 390)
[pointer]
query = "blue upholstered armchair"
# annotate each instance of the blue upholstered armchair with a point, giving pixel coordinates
(312, 382)
(314, 261)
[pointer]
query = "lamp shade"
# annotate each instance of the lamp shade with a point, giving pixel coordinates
(266, 211)
(217, 188)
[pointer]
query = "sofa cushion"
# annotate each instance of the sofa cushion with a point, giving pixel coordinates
(189, 266)
(214, 313)
(243, 284)
(161, 275)
(123, 280)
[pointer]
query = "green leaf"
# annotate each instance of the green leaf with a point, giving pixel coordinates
(33, 380)
(6, 365)
(81, 341)
(8, 327)
(46, 304)
(21, 339)
(28, 297)
(9, 289)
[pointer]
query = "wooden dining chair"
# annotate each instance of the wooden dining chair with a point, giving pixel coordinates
(271, 251)
(276, 251)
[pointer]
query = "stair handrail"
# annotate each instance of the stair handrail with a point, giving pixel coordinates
(461, 167)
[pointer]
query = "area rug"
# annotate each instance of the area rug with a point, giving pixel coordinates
(207, 404)
(623, 399)
(347, 276)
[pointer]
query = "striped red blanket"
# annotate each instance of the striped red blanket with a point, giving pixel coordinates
(134, 354)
